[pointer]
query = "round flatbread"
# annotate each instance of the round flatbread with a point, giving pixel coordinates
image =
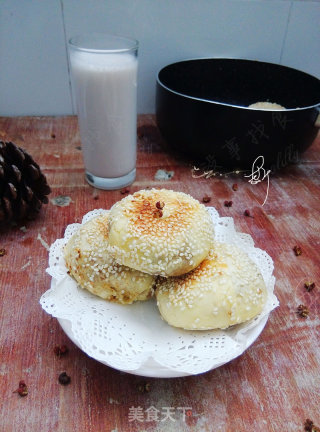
(160, 232)
(227, 288)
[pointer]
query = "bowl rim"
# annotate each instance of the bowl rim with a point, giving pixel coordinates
(317, 105)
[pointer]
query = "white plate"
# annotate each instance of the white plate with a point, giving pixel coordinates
(134, 338)
(151, 368)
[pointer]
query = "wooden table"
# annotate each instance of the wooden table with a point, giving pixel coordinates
(273, 386)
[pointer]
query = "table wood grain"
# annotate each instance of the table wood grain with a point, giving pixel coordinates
(273, 386)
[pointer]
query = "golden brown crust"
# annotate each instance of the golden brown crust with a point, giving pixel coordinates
(160, 232)
(225, 289)
(171, 215)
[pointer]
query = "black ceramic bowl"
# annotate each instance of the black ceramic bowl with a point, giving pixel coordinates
(202, 111)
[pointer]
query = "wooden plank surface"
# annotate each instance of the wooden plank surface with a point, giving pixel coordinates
(273, 386)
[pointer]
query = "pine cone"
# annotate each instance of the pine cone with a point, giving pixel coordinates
(23, 187)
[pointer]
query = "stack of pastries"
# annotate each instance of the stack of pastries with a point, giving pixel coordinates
(161, 242)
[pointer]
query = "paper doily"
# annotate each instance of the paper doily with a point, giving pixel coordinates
(134, 338)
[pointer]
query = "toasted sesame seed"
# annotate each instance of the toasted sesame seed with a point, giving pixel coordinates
(227, 278)
(105, 277)
(183, 216)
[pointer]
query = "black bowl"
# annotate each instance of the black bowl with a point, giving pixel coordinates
(202, 112)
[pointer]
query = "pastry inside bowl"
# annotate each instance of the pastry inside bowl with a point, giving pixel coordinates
(227, 288)
(160, 232)
(88, 259)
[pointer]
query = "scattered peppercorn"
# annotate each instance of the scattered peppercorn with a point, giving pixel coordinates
(206, 199)
(2, 252)
(309, 426)
(228, 203)
(247, 213)
(297, 250)
(309, 286)
(95, 194)
(158, 213)
(143, 387)
(64, 379)
(160, 205)
(124, 191)
(302, 311)
(60, 350)
(53, 135)
(235, 187)
(22, 390)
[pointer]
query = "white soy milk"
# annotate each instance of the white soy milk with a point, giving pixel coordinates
(106, 93)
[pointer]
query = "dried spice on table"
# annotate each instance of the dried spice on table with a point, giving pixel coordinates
(206, 198)
(309, 426)
(22, 390)
(143, 387)
(95, 194)
(302, 311)
(309, 286)
(297, 250)
(64, 379)
(124, 191)
(60, 350)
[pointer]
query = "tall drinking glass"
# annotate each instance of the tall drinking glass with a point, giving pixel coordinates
(104, 74)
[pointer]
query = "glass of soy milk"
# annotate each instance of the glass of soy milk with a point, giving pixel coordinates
(104, 76)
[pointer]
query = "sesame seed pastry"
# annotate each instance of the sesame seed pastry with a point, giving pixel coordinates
(227, 288)
(89, 262)
(160, 232)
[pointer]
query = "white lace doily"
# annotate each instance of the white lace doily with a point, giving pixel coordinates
(134, 338)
